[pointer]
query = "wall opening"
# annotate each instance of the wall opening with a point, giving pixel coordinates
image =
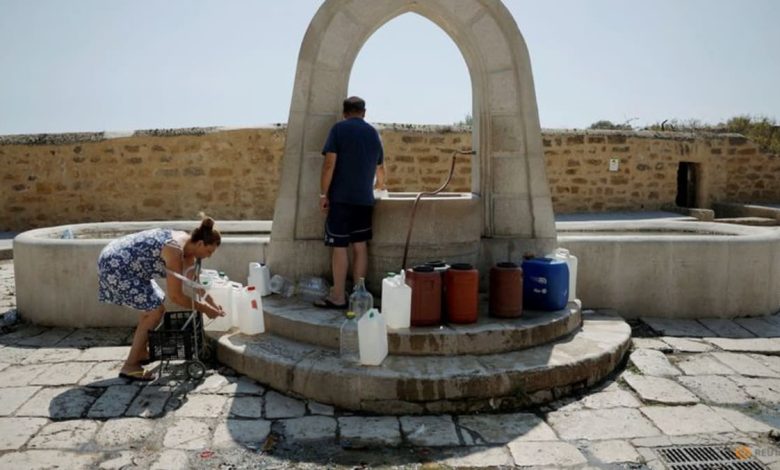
(687, 181)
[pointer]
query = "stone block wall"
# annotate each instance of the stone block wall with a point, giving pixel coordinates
(234, 174)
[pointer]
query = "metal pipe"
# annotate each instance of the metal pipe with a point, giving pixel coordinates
(433, 193)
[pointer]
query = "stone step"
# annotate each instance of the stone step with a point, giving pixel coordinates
(302, 322)
(432, 384)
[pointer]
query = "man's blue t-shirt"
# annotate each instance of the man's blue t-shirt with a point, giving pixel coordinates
(358, 150)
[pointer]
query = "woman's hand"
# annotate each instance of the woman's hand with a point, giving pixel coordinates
(214, 312)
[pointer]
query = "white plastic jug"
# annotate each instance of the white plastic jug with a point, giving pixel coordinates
(251, 321)
(372, 338)
(571, 261)
(219, 290)
(396, 301)
(260, 277)
(237, 299)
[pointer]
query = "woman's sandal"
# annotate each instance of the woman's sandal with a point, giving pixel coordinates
(327, 303)
(137, 376)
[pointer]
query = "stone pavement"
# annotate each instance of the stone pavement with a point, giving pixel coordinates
(686, 382)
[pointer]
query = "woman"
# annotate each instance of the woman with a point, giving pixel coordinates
(126, 267)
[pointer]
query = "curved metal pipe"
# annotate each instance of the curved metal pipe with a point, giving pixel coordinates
(432, 193)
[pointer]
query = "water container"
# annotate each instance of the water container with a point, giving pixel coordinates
(461, 285)
(441, 267)
(251, 321)
(220, 292)
(311, 288)
(396, 301)
(349, 346)
(361, 300)
(545, 284)
(208, 275)
(506, 290)
(372, 338)
(282, 286)
(426, 295)
(237, 299)
(571, 261)
(260, 277)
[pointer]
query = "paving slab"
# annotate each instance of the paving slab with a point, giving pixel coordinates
(552, 453)
(652, 362)
(317, 408)
(748, 345)
(20, 375)
(187, 434)
(15, 432)
(659, 390)
(67, 373)
(15, 354)
(725, 328)
(613, 423)
(310, 428)
(50, 355)
(764, 390)
(124, 433)
(678, 327)
(47, 339)
(430, 431)
(477, 457)
(650, 343)
(202, 406)
(84, 338)
(246, 407)
(43, 459)
(113, 402)
(502, 428)
(241, 433)
(744, 420)
(103, 374)
(745, 364)
(358, 432)
(688, 345)
(59, 403)
(68, 435)
(121, 461)
(171, 460)
(760, 327)
(611, 399)
(616, 451)
(703, 364)
(22, 331)
(282, 406)
(13, 397)
(211, 384)
(773, 362)
(149, 403)
(715, 389)
(105, 353)
(679, 420)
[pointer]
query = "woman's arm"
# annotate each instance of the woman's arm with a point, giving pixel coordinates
(173, 263)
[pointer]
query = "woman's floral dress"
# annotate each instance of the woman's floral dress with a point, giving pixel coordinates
(127, 266)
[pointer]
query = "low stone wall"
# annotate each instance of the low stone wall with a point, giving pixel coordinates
(234, 173)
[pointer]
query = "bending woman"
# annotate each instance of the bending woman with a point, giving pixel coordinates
(127, 266)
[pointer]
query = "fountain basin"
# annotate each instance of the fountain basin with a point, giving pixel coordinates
(676, 269)
(56, 278)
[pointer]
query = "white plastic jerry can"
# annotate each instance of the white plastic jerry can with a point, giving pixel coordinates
(571, 261)
(237, 300)
(372, 338)
(219, 290)
(396, 301)
(260, 277)
(251, 321)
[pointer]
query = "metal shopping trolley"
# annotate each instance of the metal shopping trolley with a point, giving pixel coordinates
(180, 336)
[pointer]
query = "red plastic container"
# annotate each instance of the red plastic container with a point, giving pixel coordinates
(461, 285)
(426, 295)
(506, 290)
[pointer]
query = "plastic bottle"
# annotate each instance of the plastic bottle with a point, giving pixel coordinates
(282, 286)
(349, 346)
(396, 301)
(372, 338)
(312, 288)
(361, 300)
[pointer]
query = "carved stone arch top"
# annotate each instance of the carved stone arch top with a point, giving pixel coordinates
(510, 205)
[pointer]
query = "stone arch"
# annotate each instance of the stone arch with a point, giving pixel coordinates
(515, 208)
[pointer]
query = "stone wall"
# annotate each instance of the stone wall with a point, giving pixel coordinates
(234, 174)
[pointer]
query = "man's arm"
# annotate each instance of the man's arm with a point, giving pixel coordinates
(380, 177)
(328, 165)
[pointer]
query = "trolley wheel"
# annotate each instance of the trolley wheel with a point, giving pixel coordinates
(195, 370)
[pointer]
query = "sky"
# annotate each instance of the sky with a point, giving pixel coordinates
(123, 65)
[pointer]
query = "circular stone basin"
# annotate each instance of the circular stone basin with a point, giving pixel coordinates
(676, 269)
(56, 277)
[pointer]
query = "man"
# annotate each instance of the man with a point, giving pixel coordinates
(353, 157)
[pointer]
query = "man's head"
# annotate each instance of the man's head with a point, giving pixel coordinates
(354, 107)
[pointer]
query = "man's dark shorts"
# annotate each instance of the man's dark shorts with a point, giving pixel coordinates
(347, 223)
